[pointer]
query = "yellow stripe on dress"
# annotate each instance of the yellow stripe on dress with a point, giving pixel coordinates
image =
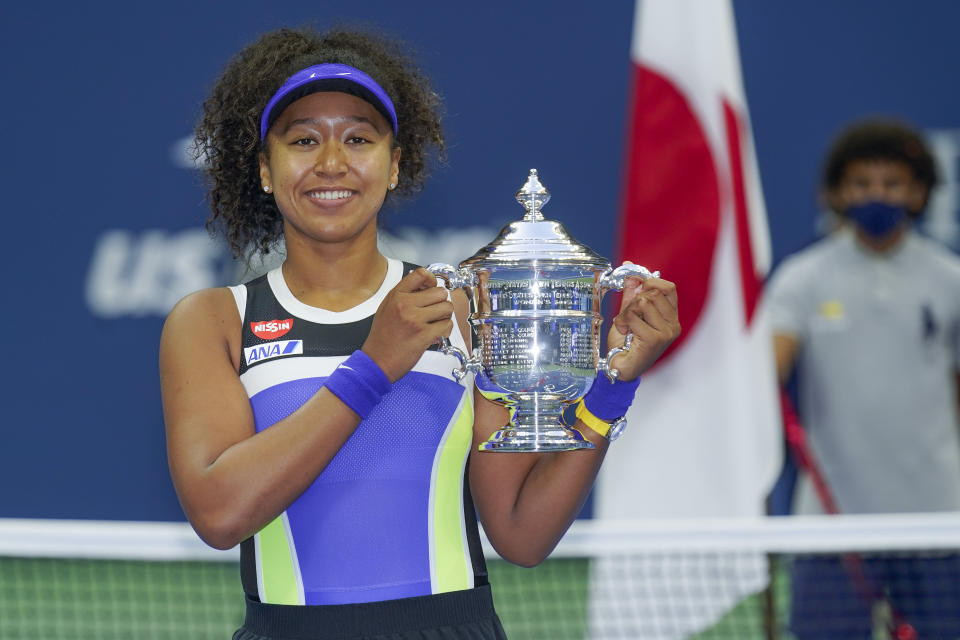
(451, 566)
(276, 564)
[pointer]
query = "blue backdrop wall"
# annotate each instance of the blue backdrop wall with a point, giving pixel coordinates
(105, 211)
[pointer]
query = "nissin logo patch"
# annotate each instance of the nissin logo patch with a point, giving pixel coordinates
(271, 329)
(273, 350)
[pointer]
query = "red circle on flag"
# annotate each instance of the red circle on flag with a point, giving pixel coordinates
(671, 211)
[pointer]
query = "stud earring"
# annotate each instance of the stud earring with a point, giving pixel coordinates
(393, 185)
(266, 188)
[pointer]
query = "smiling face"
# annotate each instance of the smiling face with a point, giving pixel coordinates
(329, 162)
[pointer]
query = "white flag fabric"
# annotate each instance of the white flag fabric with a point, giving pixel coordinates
(703, 436)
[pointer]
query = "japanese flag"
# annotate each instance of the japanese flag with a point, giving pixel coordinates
(703, 436)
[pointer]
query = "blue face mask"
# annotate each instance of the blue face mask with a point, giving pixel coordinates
(876, 218)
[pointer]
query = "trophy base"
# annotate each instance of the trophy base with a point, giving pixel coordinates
(535, 425)
(520, 440)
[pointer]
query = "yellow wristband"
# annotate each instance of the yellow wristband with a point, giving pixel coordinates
(592, 421)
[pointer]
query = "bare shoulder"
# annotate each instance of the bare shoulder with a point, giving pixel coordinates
(199, 366)
(205, 319)
(206, 302)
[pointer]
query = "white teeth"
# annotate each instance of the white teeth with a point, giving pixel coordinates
(329, 195)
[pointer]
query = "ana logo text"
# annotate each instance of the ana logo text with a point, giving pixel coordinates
(271, 329)
(273, 350)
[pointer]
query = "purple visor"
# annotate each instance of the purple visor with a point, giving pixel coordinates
(327, 77)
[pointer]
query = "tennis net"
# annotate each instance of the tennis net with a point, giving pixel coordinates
(889, 576)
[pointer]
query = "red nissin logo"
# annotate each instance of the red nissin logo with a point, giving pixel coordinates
(270, 329)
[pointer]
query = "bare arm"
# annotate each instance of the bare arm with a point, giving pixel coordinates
(527, 501)
(785, 349)
(232, 481)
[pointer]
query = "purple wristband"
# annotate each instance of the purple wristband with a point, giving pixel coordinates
(359, 382)
(610, 400)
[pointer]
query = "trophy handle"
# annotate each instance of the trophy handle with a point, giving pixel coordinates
(614, 279)
(604, 365)
(453, 278)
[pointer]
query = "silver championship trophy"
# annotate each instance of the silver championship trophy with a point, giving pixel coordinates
(536, 317)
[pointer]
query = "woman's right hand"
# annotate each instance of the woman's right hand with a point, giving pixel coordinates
(414, 315)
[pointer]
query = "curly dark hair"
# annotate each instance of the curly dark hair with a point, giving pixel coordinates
(228, 133)
(880, 139)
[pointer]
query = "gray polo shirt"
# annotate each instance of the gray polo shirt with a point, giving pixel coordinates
(879, 349)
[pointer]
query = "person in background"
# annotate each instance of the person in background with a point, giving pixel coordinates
(869, 320)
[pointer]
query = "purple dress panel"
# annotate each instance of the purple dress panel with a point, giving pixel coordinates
(361, 529)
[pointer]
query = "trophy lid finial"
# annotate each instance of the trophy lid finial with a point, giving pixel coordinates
(535, 240)
(533, 195)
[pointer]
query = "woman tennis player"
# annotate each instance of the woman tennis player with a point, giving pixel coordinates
(309, 416)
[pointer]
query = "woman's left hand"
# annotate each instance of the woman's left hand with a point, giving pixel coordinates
(648, 310)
